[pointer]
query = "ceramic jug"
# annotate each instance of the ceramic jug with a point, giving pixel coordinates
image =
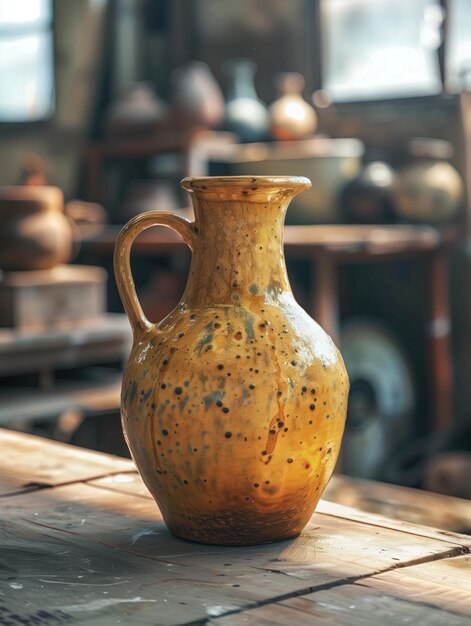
(234, 405)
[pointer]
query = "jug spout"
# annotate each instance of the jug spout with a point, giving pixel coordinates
(238, 246)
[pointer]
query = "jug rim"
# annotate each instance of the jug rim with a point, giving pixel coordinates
(245, 183)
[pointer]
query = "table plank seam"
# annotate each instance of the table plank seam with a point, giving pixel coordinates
(449, 554)
(33, 487)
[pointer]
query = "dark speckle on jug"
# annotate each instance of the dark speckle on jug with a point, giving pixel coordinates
(132, 392)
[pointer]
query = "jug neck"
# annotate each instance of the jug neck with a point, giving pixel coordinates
(238, 253)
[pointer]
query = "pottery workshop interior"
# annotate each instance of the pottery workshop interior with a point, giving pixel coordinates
(235, 269)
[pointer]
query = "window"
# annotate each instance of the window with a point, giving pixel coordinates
(378, 49)
(26, 60)
(458, 50)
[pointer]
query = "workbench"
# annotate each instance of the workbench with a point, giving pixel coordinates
(84, 543)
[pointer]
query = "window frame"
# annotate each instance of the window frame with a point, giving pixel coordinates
(385, 102)
(15, 127)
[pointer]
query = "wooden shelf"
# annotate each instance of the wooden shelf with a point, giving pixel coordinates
(105, 339)
(194, 145)
(87, 397)
(350, 242)
(160, 143)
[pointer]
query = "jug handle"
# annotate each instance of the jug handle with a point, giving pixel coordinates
(122, 264)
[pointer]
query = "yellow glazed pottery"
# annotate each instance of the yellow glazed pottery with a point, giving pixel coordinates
(234, 405)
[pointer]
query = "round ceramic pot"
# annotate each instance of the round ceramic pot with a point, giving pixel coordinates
(291, 117)
(428, 188)
(34, 232)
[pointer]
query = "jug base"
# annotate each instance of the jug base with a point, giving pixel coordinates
(232, 539)
(224, 531)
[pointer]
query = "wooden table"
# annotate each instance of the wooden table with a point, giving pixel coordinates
(83, 543)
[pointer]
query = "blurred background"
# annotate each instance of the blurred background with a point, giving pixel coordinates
(106, 104)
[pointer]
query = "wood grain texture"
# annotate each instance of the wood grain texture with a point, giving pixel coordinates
(99, 556)
(401, 503)
(28, 463)
(354, 515)
(98, 553)
(349, 605)
(445, 584)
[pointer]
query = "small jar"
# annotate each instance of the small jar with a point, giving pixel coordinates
(291, 117)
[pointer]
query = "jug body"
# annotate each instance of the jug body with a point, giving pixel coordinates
(234, 405)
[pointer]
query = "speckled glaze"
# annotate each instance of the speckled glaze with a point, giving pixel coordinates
(234, 405)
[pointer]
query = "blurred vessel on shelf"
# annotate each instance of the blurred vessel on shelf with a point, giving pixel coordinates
(246, 114)
(291, 117)
(34, 232)
(367, 199)
(197, 98)
(428, 188)
(138, 110)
